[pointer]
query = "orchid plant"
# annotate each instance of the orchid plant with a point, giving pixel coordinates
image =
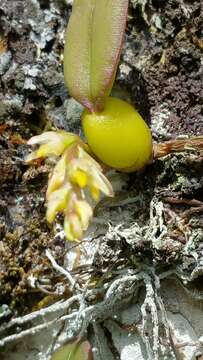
(92, 49)
(116, 134)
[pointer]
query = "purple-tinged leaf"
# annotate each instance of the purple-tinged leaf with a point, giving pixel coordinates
(92, 49)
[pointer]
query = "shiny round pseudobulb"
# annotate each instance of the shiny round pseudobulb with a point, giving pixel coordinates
(118, 136)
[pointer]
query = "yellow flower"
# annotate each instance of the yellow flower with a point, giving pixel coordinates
(72, 227)
(57, 201)
(77, 218)
(84, 212)
(80, 178)
(52, 143)
(86, 171)
(58, 176)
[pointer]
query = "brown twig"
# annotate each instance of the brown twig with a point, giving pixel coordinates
(191, 211)
(177, 145)
(190, 202)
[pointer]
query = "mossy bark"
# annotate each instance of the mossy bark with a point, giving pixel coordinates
(154, 224)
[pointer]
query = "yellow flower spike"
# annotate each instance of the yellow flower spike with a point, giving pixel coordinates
(58, 176)
(52, 143)
(74, 170)
(57, 202)
(84, 212)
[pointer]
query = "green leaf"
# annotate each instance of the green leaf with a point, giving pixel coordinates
(74, 351)
(92, 49)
